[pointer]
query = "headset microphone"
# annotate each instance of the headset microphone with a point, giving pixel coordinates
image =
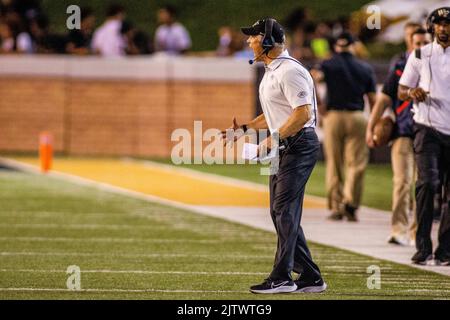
(251, 61)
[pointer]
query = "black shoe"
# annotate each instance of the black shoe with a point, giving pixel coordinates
(310, 286)
(350, 213)
(274, 286)
(336, 216)
(421, 258)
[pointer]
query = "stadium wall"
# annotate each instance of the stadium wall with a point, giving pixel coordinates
(123, 106)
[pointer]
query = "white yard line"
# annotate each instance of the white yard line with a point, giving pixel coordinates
(119, 290)
(221, 273)
(111, 240)
(127, 255)
(80, 226)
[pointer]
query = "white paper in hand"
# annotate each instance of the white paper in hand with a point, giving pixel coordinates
(250, 151)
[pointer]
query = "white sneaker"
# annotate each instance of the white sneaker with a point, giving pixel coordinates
(397, 240)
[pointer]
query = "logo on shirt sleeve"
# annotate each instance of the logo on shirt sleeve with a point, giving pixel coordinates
(302, 94)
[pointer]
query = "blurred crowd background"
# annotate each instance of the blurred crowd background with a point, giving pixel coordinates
(193, 27)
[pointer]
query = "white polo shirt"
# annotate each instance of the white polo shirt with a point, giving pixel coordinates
(432, 73)
(285, 86)
(172, 38)
(108, 40)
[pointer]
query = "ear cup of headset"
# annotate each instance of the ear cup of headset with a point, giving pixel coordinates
(429, 23)
(268, 42)
(429, 26)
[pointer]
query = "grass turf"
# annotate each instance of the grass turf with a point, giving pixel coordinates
(123, 244)
(377, 184)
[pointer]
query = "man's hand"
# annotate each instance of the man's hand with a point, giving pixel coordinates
(265, 146)
(417, 94)
(369, 137)
(231, 136)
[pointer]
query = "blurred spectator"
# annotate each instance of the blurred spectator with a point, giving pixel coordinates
(14, 38)
(320, 44)
(297, 19)
(225, 37)
(408, 30)
(79, 41)
(302, 39)
(27, 9)
(137, 41)
(239, 48)
(298, 23)
(233, 43)
(107, 39)
(171, 36)
(6, 38)
(44, 41)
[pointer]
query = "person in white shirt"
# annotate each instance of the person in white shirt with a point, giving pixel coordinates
(426, 80)
(9, 43)
(171, 36)
(289, 106)
(107, 39)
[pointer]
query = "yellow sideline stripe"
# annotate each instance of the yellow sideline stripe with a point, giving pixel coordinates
(136, 176)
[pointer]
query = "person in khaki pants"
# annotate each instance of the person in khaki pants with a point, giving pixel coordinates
(345, 151)
(402, 154)
(348, 80)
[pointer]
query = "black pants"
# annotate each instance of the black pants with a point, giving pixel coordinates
(287, 189)
(432, 153)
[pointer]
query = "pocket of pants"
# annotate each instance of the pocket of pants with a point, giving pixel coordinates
(419, 139)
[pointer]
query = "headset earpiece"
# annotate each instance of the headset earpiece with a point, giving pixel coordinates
(429, 23)
(268, 41)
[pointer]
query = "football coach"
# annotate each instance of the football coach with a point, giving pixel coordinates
(289, 106)
(426, 80)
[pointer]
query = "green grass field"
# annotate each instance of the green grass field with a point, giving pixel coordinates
(132, 249)
(377, 184)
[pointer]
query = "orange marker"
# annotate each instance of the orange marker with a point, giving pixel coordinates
(45, 151)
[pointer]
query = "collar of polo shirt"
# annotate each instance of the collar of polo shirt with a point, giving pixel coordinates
(438, 47)
(275, 63)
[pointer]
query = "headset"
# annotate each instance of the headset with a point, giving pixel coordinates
(268, 42)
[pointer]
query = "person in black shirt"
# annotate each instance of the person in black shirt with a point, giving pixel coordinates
(79, 41)
(44, 41)
(348, 80)
(137, 41)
